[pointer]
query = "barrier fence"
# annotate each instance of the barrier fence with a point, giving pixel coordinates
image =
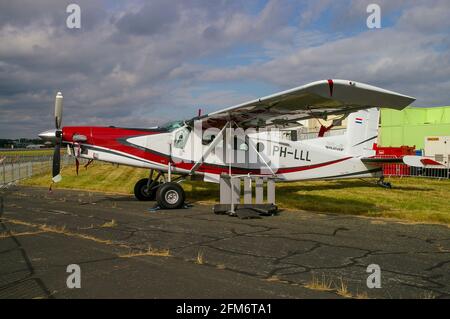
(401, 170)
(15, 168)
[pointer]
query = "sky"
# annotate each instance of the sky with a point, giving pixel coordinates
(143, 63)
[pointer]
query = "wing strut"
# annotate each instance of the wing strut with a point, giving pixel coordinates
(211, 146)
(250, 142)
(261, 157)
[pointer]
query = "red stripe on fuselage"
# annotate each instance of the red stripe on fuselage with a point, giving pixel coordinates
(110, 138)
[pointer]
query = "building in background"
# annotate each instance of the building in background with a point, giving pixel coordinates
(311, 128)
(413, 126)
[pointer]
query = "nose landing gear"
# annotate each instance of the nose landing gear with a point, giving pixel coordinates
(170, 195)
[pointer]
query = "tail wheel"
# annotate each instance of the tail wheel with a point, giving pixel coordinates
(141, 192)
(170, 196)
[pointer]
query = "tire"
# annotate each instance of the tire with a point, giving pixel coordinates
(140, 191)
(170, 196)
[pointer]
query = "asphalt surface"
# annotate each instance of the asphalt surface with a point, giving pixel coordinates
(210, 256)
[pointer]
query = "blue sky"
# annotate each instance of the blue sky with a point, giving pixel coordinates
(141, 63)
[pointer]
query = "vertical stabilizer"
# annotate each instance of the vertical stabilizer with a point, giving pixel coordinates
(362, 132)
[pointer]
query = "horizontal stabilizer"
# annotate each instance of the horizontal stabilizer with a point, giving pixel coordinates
(382, 160)
(419, 161)
(410, 160)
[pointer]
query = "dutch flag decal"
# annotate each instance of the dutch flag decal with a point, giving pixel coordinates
(359, 120)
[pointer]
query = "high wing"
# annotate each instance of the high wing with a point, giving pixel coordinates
(314, 100)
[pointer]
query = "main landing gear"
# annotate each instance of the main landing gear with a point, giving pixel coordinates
(384, 184)
(169, 195)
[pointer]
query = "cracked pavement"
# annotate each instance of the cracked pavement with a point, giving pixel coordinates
(211, 256)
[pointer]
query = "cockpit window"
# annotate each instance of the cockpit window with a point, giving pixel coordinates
(172, 126)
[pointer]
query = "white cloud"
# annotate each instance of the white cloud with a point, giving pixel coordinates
(124, 68)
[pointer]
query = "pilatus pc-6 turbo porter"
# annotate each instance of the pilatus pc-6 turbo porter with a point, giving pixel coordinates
(206, 145)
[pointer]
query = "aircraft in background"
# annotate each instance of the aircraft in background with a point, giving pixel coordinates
(209, 146)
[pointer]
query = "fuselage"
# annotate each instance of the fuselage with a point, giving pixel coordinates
(263, 154)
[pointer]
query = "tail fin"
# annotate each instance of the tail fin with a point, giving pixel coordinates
(362, 132)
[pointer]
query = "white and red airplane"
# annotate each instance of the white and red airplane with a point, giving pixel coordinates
(208, 145)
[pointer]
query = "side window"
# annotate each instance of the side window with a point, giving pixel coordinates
(181, 137)
(208, 139)
(240, 144)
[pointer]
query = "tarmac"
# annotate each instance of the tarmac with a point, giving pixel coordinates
(126, 250)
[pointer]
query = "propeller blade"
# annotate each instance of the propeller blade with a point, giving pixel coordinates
(58, 110)
(57, 162)
(77, 165)
(56, 137)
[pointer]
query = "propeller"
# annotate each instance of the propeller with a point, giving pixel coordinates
(56, 169)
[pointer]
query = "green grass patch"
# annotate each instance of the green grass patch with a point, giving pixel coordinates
(38, 152)
(412, 199)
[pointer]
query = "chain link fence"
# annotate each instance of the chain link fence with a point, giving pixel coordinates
(15, 168)
(399, 170)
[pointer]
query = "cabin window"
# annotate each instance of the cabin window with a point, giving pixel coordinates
(260, 147)
(206, 140)
(240, 144)
(181, 137)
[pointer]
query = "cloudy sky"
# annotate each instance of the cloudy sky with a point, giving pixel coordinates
(141, 63)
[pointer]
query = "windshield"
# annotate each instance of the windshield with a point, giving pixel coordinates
(171, 126)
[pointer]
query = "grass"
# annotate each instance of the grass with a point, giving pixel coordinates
(110, 224)
(427, 295)
(148, 252)
(200, 260)
(38, 152)
(18, 234)
(362, 295)
(342, 289)
(273, 279)
(411, 199)
(321, 284)
(324, 283)
(97, 177)
(44, 228)
(57, 230)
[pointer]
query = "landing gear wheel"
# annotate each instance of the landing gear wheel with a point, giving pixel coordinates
(384, 184)
(141, 193)
(170, 196)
